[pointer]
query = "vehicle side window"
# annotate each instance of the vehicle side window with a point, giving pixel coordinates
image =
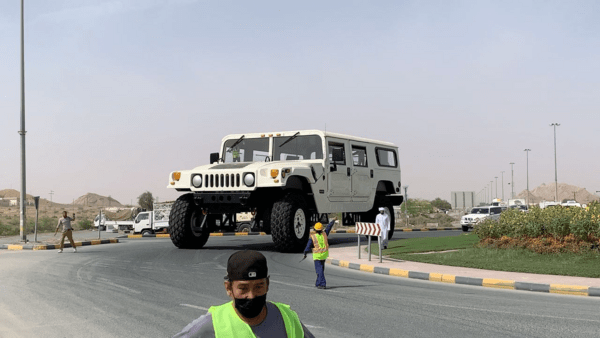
(496, 210)
(359, 156)
(386, 157)
(143, 217)
(339, 146)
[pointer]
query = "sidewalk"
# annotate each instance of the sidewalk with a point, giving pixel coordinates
(347, 257)
(47, 241)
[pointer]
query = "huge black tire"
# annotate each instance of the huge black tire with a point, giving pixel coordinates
(290, 223)
(389, 210)
(184, 224)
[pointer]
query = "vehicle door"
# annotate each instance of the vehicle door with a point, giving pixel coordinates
(362, 187)
(495, 213)
(339, 180)
(141, 222)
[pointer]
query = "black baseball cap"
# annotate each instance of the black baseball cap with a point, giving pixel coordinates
(247, 265)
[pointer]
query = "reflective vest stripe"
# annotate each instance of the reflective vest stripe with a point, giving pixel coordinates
(321, 246)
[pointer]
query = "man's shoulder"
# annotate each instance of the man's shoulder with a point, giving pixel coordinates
(201, 327)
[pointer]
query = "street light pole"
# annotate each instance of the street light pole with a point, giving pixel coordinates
(491, 191)
(527, 151)
(502, 185)
(22, 221)
(512, 180)
(555, 167)
(496, 177)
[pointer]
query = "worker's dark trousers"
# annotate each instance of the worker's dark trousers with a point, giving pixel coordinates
(320, 269)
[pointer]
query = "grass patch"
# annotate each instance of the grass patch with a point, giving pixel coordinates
(427, 244)
(514, 259)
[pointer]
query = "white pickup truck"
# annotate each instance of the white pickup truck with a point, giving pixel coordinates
(146, 222)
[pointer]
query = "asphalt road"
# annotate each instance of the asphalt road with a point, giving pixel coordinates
(149, 288)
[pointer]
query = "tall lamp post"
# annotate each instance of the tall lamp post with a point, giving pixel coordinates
(512, 180)
(527, 151)
(496, 177)
(555, 167)
(502, 185)
(491, 191)
(22, 222)
(406, 203)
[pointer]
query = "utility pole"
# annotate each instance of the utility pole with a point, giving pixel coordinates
(406, 203)
(555, 167)
(496, 177)
(51, 193)
(512, 180)
(491, 191)
(22, 221)
(502, 185)
(527, 151)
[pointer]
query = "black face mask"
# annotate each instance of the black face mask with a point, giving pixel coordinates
(251, 308)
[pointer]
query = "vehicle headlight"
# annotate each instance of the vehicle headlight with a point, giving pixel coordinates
(197, 181)
(249, 179)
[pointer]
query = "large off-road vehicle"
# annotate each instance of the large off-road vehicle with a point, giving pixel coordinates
(288, 180)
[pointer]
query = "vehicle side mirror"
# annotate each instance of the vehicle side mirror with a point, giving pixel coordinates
(333, 167)
(214, 157)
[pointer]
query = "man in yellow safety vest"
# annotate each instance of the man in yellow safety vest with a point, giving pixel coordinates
(320, 251)
(248, 314)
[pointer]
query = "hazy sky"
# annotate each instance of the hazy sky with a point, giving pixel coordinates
(121, 93)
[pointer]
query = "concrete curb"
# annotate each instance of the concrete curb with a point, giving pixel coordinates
(222, 234)
(577, 290)
(56, 246)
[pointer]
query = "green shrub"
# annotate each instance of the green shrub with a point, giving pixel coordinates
(85, 224)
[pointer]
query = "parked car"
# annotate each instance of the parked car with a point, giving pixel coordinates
(521, 207)
(479, 214)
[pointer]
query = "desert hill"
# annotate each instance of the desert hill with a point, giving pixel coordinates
(546, 192)
(95, 200)
(89, 199)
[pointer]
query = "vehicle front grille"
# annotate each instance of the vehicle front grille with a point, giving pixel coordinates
(222, 180)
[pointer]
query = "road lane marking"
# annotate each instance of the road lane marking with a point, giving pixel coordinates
(106, 281)
(194, 307)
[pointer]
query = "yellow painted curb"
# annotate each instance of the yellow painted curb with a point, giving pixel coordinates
(498, 283)
(217, 234)
(96, 241)
(14, 247)
(163, 235)
(241, 234)
(407, 230)
(435, 277)
(398, 272)
(40, 247)
(367, 268)
(344, 264)
(576, 290)
(424, 229)
(449, 279)
(134, 236)
(114, 240)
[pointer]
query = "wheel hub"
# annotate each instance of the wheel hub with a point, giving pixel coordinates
(299, 223)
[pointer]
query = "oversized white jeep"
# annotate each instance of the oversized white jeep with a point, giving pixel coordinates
(288, 180)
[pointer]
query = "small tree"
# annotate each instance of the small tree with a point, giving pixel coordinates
(146, 200)
(441, 204)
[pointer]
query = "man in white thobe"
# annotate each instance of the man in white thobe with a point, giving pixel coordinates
(384, 223)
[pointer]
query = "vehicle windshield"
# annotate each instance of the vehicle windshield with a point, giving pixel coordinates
(246, 150)
(480, 211)
(307, 147)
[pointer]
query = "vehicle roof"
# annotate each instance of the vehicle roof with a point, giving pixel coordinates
(309, 132)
